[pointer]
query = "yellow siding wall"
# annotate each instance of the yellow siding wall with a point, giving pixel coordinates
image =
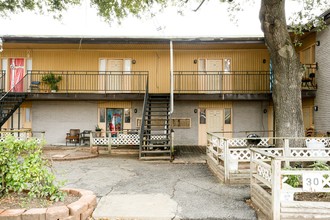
(156, 62)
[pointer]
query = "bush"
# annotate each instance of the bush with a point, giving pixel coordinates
(23, 169)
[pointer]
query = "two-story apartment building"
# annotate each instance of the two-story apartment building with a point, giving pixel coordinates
(219, 84)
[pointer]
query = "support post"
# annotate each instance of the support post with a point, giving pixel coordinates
(226, 162)
(109, 143)
(287, 152)
(276, 188)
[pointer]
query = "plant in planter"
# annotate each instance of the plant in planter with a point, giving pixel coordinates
(97, 128)
(51, 80)
(98, 131)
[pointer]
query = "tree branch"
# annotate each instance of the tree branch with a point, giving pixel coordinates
(200, 5)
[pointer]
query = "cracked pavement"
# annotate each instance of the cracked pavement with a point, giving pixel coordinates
(127, 188)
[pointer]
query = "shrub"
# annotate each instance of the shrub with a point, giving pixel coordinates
(22, 168)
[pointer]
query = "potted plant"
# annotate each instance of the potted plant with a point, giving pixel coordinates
(97, 131)
(51, 80)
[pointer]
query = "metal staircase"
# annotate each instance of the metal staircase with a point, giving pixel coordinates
(155, 139)
(9, 103)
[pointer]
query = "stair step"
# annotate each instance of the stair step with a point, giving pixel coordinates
(155, 151)
(156, 146)
(156, 158)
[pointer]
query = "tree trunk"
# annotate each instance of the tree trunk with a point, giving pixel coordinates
(287, 70)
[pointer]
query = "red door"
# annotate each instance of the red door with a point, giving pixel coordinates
(16, 74)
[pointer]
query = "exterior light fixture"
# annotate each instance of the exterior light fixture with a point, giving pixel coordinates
(318, 43)
(195, 110)
(316, 108)
(264, 61)
(135, 110)
(195, 61)
(133, 61)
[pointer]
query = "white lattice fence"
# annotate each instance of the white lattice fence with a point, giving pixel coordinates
(310, 152)
(121, 139)
(279, 196)
(126, 139)
(101, 141)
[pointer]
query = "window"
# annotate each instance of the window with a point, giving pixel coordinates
(202, 116)
(127, 113)
(227, 65)
(102, 115)
(27, 114)
(227, 116)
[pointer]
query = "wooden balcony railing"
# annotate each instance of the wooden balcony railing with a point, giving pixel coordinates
(92, 81)
(222, 82)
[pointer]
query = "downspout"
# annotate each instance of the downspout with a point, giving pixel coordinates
(171, 80)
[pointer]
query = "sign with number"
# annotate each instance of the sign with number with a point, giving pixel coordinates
(312, 182)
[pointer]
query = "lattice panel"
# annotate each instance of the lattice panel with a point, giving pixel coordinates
(325, 142)
(237, 142)
(126, 139)
(264, 142)
(326, 181)
(214, 142)
(243, 142)
(264, 172)
(241, 154)
(101, 141)
(310, 152)
(245, 154)
(274, 151)
(222, 143)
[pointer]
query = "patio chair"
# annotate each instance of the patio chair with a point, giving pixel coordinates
(73, 136)
(85, 136)
(308, 81)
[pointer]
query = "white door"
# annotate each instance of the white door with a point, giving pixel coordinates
(214, 120)
(210, 79)
(213, 68)
(214, 123)
(114, 73)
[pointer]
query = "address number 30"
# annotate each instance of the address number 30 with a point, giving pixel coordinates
(312, 182)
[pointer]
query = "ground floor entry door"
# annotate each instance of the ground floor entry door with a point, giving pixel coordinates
(114, 121)
(214, 123)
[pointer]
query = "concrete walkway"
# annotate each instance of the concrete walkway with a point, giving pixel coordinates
(131, 189)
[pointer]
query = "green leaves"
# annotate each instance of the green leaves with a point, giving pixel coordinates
(23, 169)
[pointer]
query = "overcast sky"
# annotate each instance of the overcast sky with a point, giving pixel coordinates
(210, 20)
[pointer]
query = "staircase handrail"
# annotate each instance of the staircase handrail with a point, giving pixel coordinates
(10, 90)
(146, 95)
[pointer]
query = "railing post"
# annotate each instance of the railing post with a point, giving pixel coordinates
(110, 142)
(276, 188)
(252, 167)
(226, 162)
(287, 152)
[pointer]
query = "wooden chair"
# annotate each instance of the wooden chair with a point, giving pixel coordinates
(73, 136)
(85, 136)
(308, 81)
(310, 132)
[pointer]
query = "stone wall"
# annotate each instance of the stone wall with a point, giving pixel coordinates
(81, 209)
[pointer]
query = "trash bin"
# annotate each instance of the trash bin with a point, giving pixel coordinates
(253, 139)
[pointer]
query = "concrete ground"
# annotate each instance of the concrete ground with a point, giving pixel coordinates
(131, 189)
